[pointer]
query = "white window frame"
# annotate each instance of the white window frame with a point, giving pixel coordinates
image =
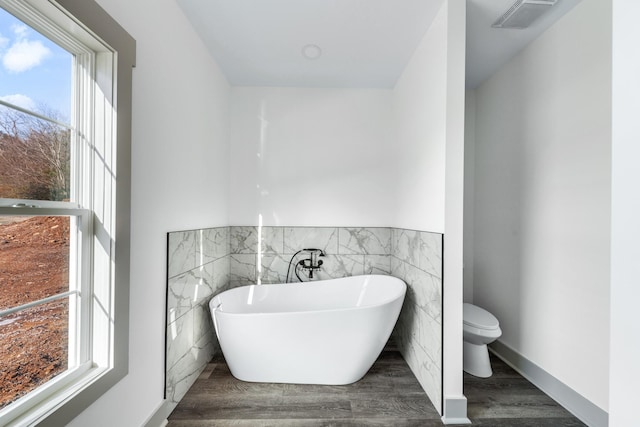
(105, 55)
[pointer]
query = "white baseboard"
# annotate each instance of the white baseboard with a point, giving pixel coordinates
(572, 401)
(159, 417)
(455, 410)
(455, 421)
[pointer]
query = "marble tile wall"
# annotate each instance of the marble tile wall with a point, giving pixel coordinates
(197, 269)
(202, 263)
(263, 254)
(417, 259)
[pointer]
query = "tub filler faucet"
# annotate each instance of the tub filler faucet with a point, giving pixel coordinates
(310, 264)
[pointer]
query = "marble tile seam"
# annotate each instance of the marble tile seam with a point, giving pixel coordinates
(191, 270)
(403, 261)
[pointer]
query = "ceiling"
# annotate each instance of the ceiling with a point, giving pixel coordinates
(363, 43)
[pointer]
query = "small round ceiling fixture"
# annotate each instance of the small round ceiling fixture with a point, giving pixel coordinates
(311, 51)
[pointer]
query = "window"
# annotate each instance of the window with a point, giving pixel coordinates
(40, 300)
(65, 77)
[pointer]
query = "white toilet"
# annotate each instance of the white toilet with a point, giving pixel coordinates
(479, 329)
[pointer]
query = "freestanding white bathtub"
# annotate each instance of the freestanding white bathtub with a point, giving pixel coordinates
(324, 332)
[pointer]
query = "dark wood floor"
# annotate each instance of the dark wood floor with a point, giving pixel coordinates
(507, 399)
(389, 395)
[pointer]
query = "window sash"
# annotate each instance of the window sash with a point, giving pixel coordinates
(84, 47)
(80, 289)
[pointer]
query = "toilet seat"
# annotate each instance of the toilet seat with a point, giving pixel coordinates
(477, 317)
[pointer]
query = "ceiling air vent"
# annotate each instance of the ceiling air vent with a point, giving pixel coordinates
(523, 13)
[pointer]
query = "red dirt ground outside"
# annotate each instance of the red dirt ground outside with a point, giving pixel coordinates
(34, 264)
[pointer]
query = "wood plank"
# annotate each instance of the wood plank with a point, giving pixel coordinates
(320, 422)
(234, 387)
(498, 386)
(202, 407)
(528, 422)
(396, 406)
(502, 405)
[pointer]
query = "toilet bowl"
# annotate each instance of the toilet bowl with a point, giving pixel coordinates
(479, 329)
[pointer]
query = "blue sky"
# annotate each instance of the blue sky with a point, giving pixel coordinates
(33, 70)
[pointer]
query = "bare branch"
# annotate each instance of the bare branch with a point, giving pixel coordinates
(34, 157)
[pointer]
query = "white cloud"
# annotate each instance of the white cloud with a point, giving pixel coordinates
(23, 54)
(20, 100)
(20, 30)
(3, 41)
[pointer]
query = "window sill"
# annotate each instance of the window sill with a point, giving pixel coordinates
(41, 403)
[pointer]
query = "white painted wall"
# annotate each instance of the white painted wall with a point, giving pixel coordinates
(624, 393)
(419, 107)
(179, 181)
(316, 157)
(469, 182)
(542, 201)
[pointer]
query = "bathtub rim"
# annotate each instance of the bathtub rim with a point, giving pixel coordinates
(398, 296)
